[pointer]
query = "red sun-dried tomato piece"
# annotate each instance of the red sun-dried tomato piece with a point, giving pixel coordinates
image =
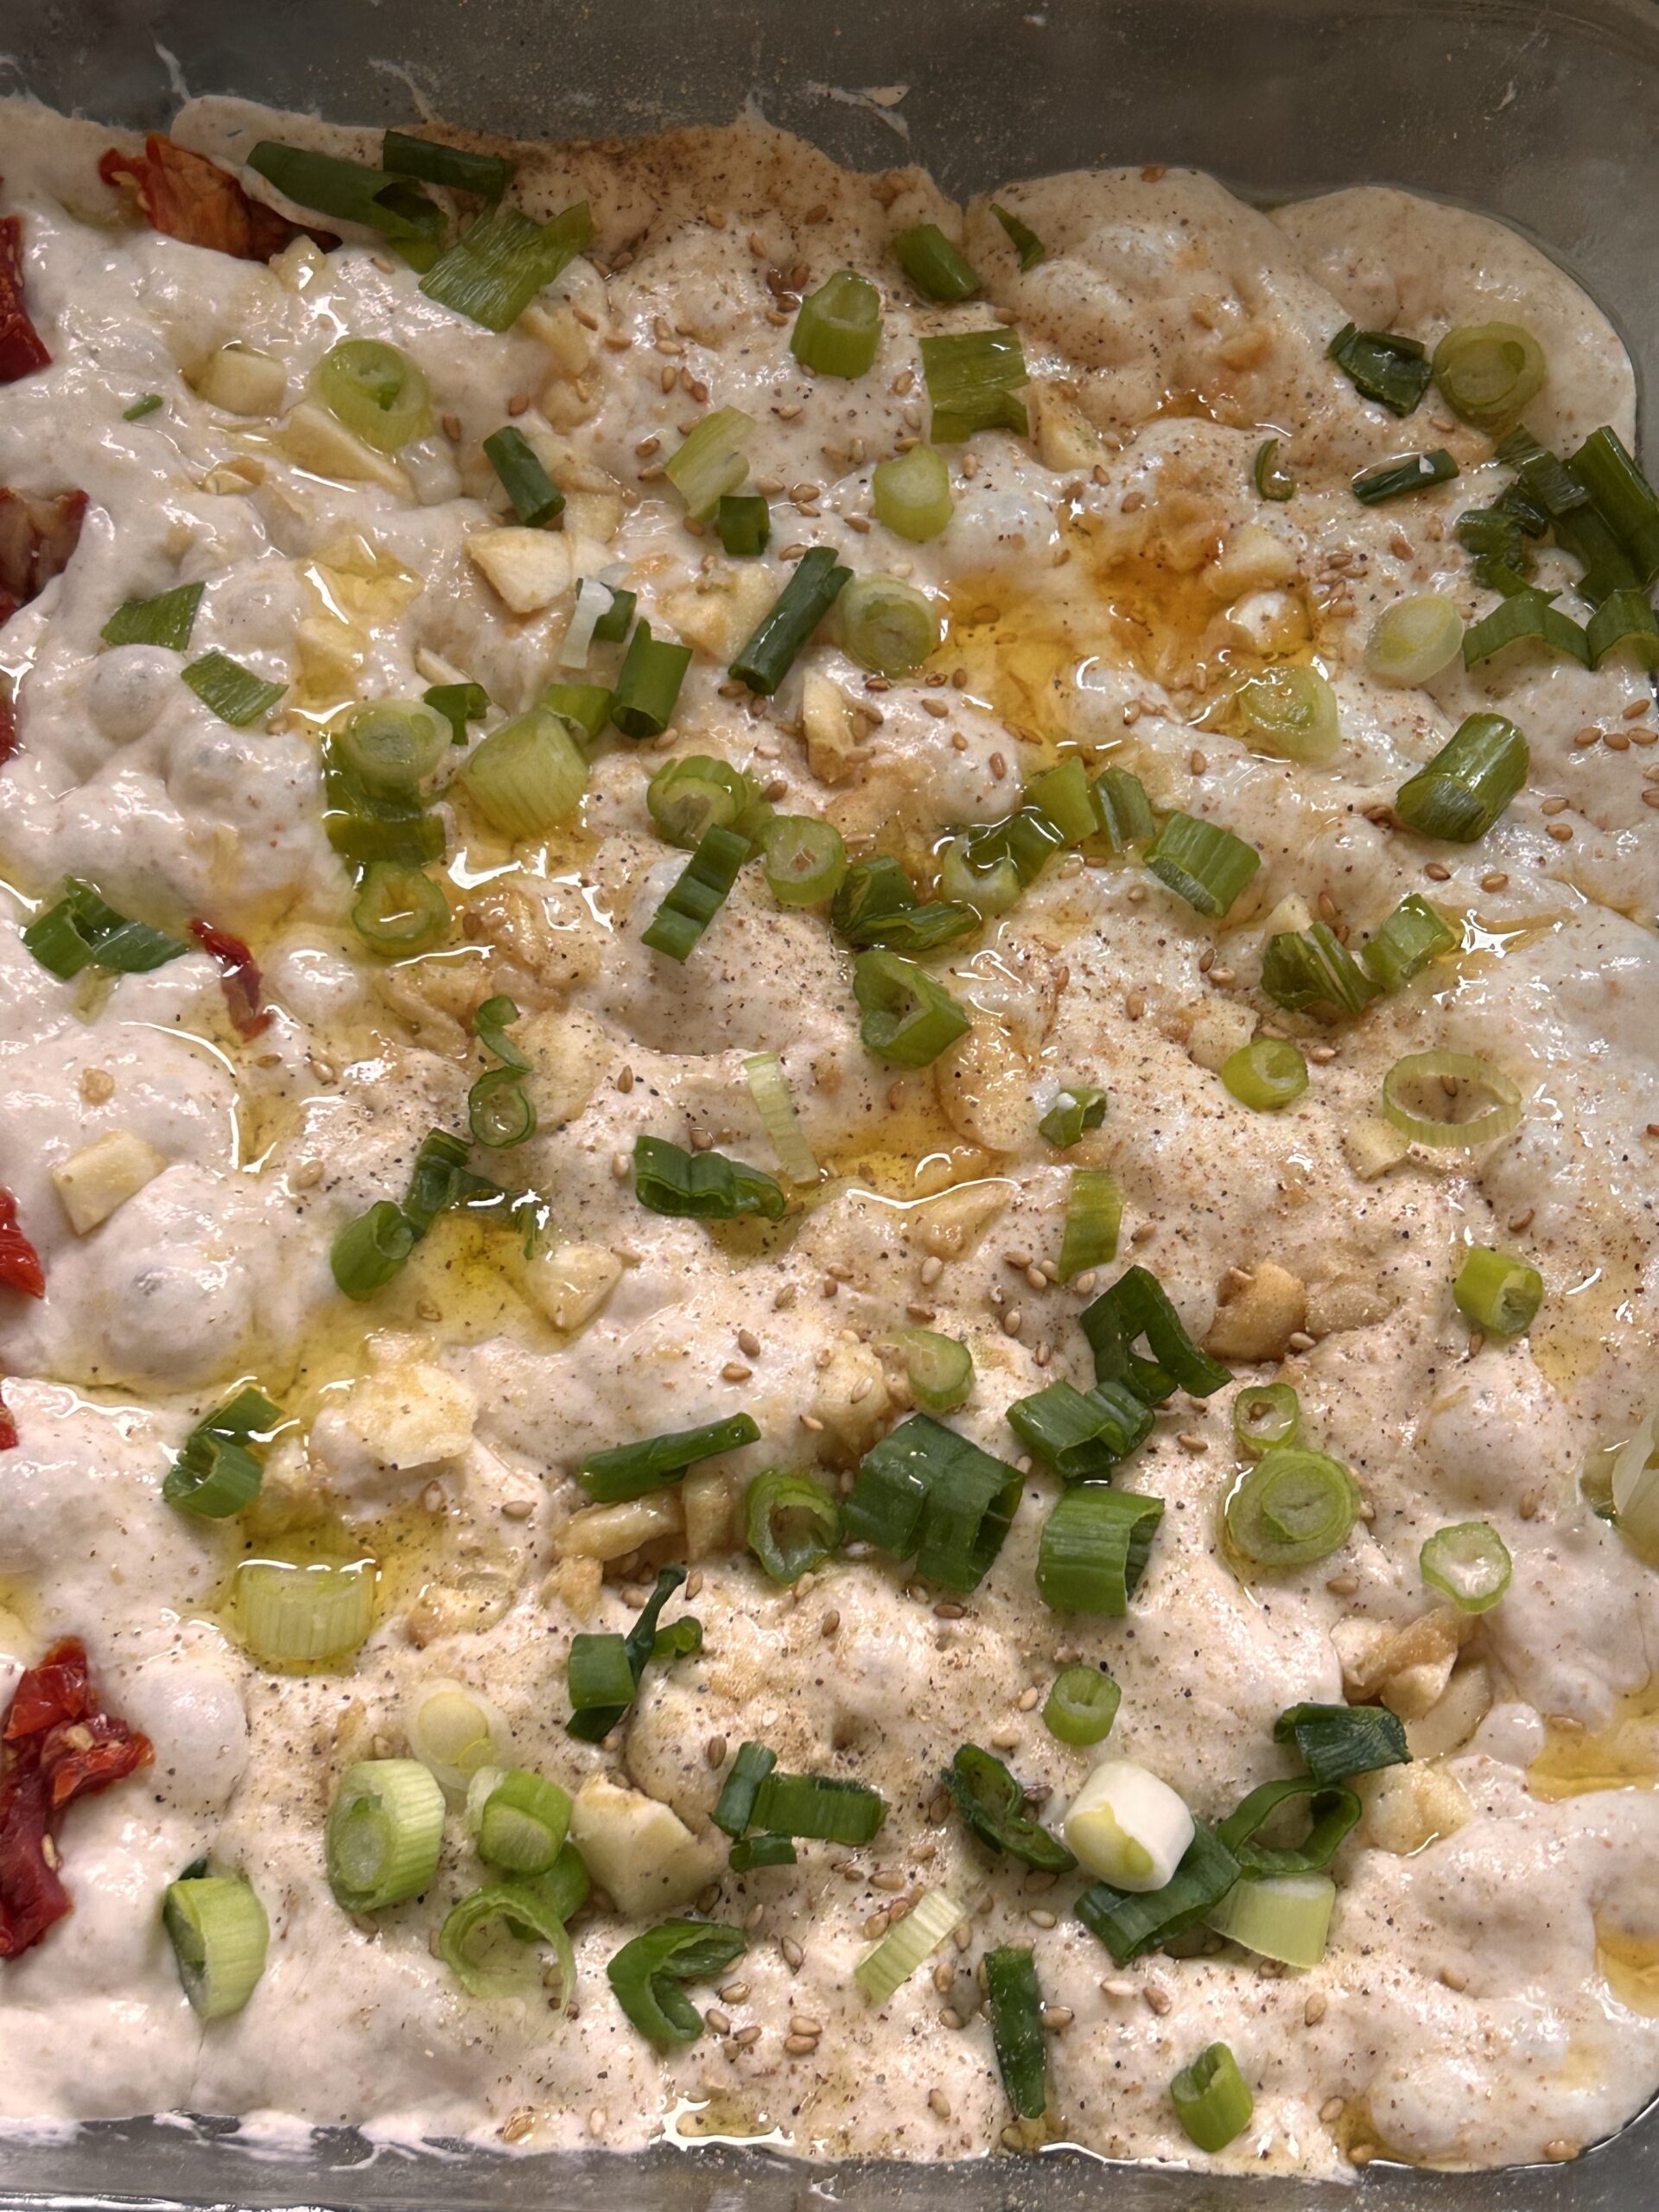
(239, 975)
(188, 197)
(38, 538)
(20, 1263)
(20, 348)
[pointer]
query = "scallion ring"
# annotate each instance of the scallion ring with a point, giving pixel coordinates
(1265, 1415)
(390, 746)
(1082, 1705)
(886, 625)
(911, 493)
(528, 775)
(1291, 711)
(482, 1943)
(1498, 1292)
(1273, 480)
(523, 1823)
(1294, 1507)
(1211, 2098)
(219, 1936)
(804, 859)
(398, 910)
(1414, 640)
(839, 327)
(940, 1368)
(1450, 1078)
(1266, 1075)
(385, 1829)
(1490, 372)
(1468, 1563)
(376, 390)
(792, 1523)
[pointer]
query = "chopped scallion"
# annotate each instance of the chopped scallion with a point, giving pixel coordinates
(1082, 1705)
(1468, 1563)
(1094, 1549)
(537, 500)
(697, 895)
(909, 1019)
(1498, 1292)
(1465, 787)
(1094, 1213)
(972, 377)
(486, 176)
(1292, 711)
(385, 1829)
(1413, 935)
(937, 268)
(168, 619)
(1335, 1741)
(648, 683)
(710, 461)
(1384, 366)
(839, 327)
(906, 1944)
(1266, 1413)
(376, 390)
(219, 1936)
(1211, 2098)
(1489, 373)
(1131, 1922)
(626, 1471)
(792, 1523)
(1207, 865)
(649, 1974)
(924, 1492)
(911, 493)
(886, 625)
(1266, 1075)
(1294, 1507)
(1526, 614)
(769, 1087)
(1077, 1107)
(1137, 1306)
(1016, 2007)
(235, 694)
(1024, 240)
(1273, 480)
(993, 1805)
(500, 261)
(1081, 1433)
(1451, 1078)
(743, 522)
(770, 652)
(1414, 472)
(701, 1185)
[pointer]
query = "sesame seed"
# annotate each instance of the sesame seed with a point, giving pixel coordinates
(1438, 872)
(1159, 1999)
(1558, 2150)
(715, 1750)
(1188, 1442)
(1560, 831)
(1453, 1978)
(792, 1953)
(999, 766)
(718, 2022)
(1343, 1585)
(1299, 1340)
(831, 1625)
(517, 2126)
(1198, 762)
(1012, 1322)
(1496, 881)
(619, 1166)
(1361, 2154)
(939, 2104)
(1531, 1502)
(735, 1372)
(1040, 1917)
(800, 2046)
(1332, 2108)
(746, 2038)
(1056, 2017)
(733, 1992)
(1314, 2011)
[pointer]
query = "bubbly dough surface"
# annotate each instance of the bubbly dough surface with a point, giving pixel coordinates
(1107, 580)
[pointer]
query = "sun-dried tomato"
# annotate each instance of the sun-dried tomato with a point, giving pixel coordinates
(239, 975)
(8, 714)
(20, 350)
(191, 197)
(57, 1744)
(20, 1263)
(38, 538)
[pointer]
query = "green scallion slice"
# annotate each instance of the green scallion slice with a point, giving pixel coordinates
(1064, 796)
(1335, 1741)
(1016, 2005)
(1125, 812)
(1094, 1213)
(352, 192)
(625, 1470)
(1447, 1079)
(602, 1672)
(1135, 1308)
(1468, 1563)
(1024, 240)
(906, 1944)
(1211, 2098)
(389, 746)
(733, 1813)
(993, 1805)
(1465, 787)
(1294, 1507)
(219, 1936)
(791, 1522)
(586, 707)
(537, 500)
(1623, 498)
(1094, 1549)
(886, 625)
(1414, 640)
(819, 1807)
(398, 910)
(217, 1472)
(804, 859)
(1579, 526)
(839, 327)
(1290, 711)
(648, 1975)
(911, 493)
(1624, 619)
(769, 654)
(938, 269)
(147, 405)
(1081, 1433)
(1207, 865)
(1498, 539)
(909, 1019)
(1413, 471)
(1273, 480)
(694, 794)
(499, 263)
(743, 523)
(940, 1368)
(80, 930)
(371, 1249)
(499, 1112)
(1264, 1414)
(1314, 969)
(697, 895)
(168, 619)
(528, 775)
(376, 390)
(1077, 1107)
(235, 694)
(648, 683)
(1498, 1292)
(483, 1942)
(522, 1823)
(1131, 1922)
(385, 1830)
(1082, 1705)
(711, 462)
(1285, 1916)
(1266, 1075)
(769, 1087)
(486, 176)
(980, 888)
(925, 1492)
(1489, 373)
(701, 1185)
(1383, 365)
(1332, 1814)
(972, 377)
(761, 1850)
(1413, 935)
(1526, 614)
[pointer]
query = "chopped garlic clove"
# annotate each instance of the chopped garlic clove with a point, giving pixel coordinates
(103, 1175)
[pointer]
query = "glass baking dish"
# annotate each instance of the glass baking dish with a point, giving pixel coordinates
(1538, 111)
